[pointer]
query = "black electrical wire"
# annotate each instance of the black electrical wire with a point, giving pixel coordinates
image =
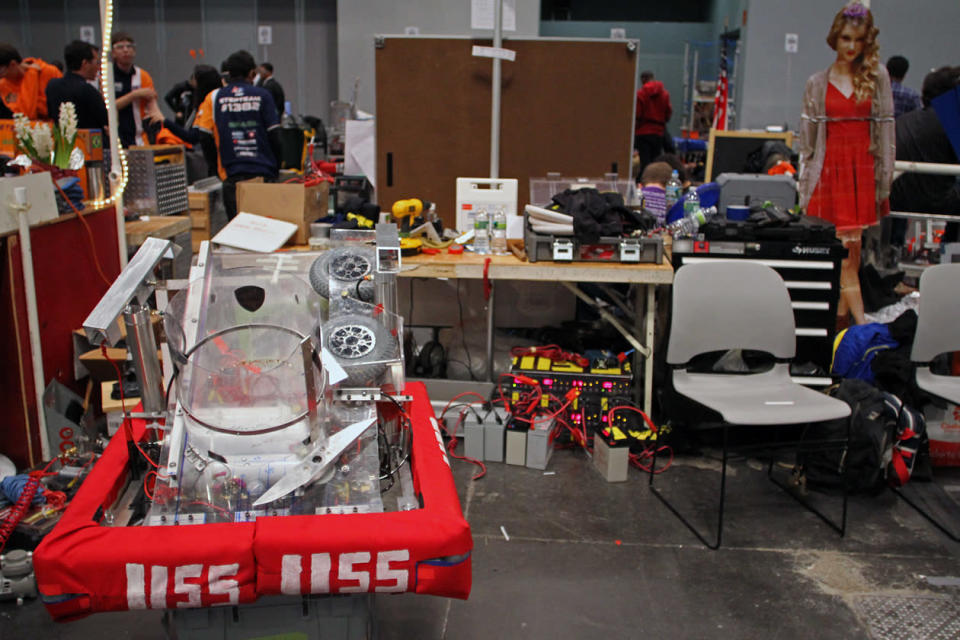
(410, 310)
(166, 397)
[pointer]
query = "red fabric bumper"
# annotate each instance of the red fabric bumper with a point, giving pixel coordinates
(83, 567)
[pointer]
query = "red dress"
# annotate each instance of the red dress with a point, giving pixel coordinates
(846, 193)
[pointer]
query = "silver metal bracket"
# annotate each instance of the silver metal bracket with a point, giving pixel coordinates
(146, 415)
(371, 394)
(630, 250)
(562, 249)
(135, 282)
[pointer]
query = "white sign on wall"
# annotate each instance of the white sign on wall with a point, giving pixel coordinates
(482, 14)
(791, 42)
(88, 34)
(618, 33)
(265, 34)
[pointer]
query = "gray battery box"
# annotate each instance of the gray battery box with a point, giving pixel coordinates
(515, 451)
(485, 440)
(612, 462)
(539, 442)
(556, 248)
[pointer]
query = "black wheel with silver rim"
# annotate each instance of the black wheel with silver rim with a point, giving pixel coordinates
(361, 345)
(346, 265)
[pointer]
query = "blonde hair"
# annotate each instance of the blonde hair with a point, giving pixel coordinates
(865, 67)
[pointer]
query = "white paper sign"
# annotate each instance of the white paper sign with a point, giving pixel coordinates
(494, 52)
(265, 34)
(411, 31)
(88, 34)
(482, 14)
(255, 233)
(791, 42)
(618, 33)
(360, 149)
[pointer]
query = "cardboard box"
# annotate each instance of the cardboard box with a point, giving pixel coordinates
(90, 141)
(8, 138)
(292, 202)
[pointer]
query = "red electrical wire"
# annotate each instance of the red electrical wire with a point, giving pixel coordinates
(86, 226)
(451, 447)
(20, 507)
(123, 406)
(146, 479)
(460, 395)
(637, 458)
(551, 352)
(487, 287)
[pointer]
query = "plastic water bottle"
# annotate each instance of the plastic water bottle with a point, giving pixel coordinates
(673, 189)
(499, 225)
(691, 202)
(688, 225)
(481, 232)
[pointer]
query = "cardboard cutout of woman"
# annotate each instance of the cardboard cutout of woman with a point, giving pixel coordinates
(847, 143)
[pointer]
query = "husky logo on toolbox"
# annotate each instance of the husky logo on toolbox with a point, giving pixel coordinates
(801, 250)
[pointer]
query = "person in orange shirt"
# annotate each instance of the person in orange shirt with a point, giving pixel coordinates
(23, 83)
(136, 97)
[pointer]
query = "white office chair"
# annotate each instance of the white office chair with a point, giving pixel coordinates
(738, 304)
(938, 331)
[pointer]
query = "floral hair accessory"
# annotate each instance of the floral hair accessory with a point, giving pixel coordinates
(855, 10)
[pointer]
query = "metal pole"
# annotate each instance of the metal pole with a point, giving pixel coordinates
(143, 350)
(693, 89)
(932, 168)
(686, 81)
(110, 95)
(495, 101)
(20, 206)
(490, 320)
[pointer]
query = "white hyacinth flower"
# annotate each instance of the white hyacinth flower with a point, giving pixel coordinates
(21, 125)
(68, 121)
(43, 141)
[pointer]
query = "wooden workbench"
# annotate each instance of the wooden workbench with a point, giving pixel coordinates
(164, 227)
(471, 266)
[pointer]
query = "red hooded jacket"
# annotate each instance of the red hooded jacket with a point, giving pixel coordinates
(653, 109)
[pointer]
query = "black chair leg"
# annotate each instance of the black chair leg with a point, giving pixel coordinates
(840, 528)
(926, 514)
(723, 487)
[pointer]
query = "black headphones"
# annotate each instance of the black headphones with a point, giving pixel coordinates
(431, 361)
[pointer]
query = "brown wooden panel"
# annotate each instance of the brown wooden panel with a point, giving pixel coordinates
(433, 119)
(566, 106)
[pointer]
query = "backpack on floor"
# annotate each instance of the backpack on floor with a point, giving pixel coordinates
(910, 440)
(872, 434)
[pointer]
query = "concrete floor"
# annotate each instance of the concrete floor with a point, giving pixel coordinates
(587, 559)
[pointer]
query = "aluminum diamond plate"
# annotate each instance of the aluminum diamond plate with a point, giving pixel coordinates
(927, 617)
